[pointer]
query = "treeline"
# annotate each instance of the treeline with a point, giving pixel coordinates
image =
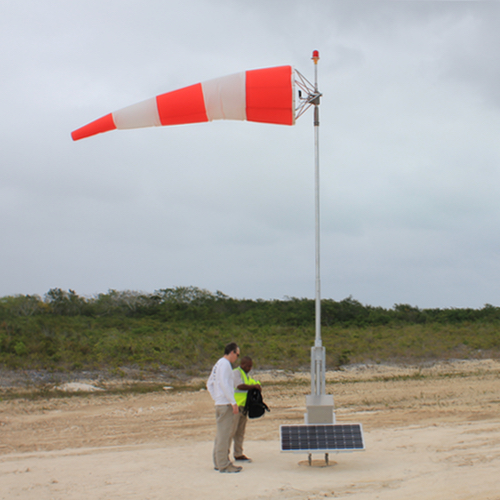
(187, 328)
(194, 304)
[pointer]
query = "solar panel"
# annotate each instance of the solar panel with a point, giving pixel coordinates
(322, 438)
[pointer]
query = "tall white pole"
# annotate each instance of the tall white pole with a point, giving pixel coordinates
(318, 351)
(317, 342)
(319, 404)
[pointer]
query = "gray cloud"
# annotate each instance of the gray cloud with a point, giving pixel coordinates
(409, 151)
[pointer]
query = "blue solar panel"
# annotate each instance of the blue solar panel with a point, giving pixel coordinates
(322, 437)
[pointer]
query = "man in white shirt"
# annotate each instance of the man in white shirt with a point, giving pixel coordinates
(221, 388)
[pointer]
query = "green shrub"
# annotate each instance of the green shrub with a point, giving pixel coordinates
(187, 329)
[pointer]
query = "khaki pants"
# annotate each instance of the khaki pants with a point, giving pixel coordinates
(239, 432)
(225, 420)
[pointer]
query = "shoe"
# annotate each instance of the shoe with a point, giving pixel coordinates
(232, 468)
(243, 458)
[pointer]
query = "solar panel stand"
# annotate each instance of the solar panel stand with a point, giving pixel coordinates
(309, 459)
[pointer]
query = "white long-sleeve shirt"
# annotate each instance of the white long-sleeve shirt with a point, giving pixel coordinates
(220, 384)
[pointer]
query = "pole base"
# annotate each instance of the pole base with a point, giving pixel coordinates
(319, 409)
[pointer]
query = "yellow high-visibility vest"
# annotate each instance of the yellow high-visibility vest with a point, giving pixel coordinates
(241, 396)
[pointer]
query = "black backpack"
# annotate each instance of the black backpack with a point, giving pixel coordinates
(255, 406)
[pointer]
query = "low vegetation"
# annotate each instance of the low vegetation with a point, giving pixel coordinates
(186, 329)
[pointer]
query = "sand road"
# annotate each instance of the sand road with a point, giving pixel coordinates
(431, 433)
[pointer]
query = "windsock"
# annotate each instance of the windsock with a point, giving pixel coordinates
(261, 95)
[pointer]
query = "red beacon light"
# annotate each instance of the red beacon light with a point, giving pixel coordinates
(315, 56)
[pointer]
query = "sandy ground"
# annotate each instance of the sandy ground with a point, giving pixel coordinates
(430, 433)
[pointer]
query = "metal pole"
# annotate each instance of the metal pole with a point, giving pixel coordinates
(317, 342)
(318, 351)
(319, 404)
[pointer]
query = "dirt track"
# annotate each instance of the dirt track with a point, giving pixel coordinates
(377, 396)
(430, 434)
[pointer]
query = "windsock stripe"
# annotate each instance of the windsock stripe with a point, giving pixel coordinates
(104, 124)
(142, 114)
(225, 97)
(269, 95)
(185, 105)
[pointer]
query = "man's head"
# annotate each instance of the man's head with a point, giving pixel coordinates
(232, 352)
(246, 363)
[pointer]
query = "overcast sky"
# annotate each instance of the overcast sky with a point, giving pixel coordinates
(409, 151)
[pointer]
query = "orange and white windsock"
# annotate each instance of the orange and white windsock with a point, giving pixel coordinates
(261, 95)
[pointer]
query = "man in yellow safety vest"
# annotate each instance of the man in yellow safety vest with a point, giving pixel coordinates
(242, 384)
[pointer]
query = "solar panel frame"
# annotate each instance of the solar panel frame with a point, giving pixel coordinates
(321, 438)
